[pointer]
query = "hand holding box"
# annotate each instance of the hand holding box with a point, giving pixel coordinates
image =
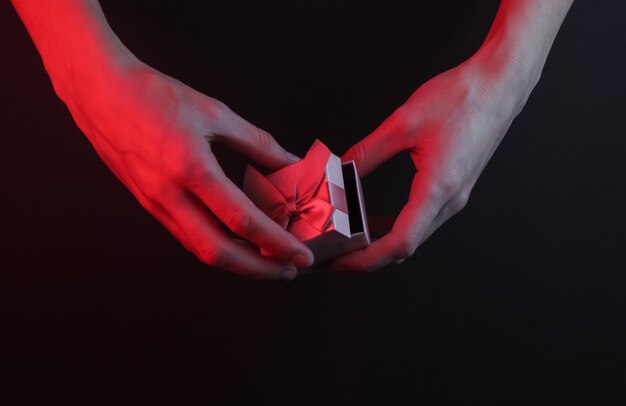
(318, 199)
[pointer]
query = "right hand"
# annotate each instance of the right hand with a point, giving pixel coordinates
(155, 134)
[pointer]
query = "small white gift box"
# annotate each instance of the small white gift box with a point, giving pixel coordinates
(318, 199)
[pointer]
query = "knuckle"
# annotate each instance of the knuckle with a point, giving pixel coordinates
(214, 255)
(181, 163)
(406, 247)
(154, 189)
(445, 183)
(447, 186)
(214, 113)
(265, 140)
(194, 174)
(358, 153)
(263, 144)
(405, 121)
(216, 109)
(459, 202)
(240, 222)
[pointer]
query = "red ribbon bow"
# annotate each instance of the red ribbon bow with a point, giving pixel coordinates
(294, 193)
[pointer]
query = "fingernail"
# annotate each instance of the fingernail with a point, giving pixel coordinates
(302, 260)
(287, 274)
(292, 157)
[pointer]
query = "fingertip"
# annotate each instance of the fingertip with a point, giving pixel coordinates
(288, 273)
(293, 158)
(271, 154)
(296, 248)
(362, 156)
(279, 243)
(348, 156)
(278, 158)
(303, 259)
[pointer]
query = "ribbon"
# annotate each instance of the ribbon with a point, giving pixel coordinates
(294, 193)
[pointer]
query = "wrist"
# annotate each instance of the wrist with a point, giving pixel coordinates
(507, 67)
(504, 72)
(509, 59)
(76, 44)
(77, 69)
(513, 55)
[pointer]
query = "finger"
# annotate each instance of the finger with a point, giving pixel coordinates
(242, 217)
(253, 142)
(378, 254)
(447, 211)
(205, 238)
(402, 241)
(382, 144)
(436, 223)
(380, 225)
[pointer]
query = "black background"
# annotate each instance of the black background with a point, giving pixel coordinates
(520, 299)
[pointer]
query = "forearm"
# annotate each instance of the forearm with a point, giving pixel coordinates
(74, 40)
(516, 48)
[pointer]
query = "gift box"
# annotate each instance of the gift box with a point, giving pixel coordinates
(318, 199)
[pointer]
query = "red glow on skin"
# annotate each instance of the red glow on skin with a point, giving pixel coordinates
(452, 125)
(155, 134)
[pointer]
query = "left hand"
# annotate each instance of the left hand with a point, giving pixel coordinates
(450, 126)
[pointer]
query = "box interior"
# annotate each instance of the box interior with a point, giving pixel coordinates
(352, 197)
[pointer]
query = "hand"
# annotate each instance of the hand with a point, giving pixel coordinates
(155, 134)
(450, 126)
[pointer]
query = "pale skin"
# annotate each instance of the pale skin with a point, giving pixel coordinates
(155, 134)
(452, 125)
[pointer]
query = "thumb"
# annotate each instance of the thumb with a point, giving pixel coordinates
(255, 143)
(382, 144)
